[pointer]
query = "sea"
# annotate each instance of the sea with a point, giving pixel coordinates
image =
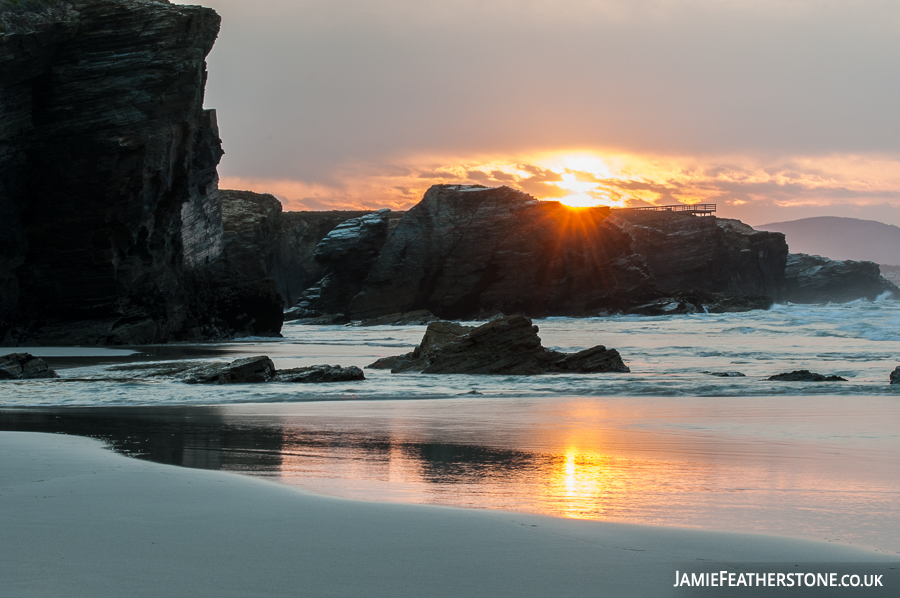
(672, 443)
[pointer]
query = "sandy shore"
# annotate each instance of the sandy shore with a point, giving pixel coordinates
(78, 520)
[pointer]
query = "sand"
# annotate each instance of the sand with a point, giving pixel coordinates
(79, 520)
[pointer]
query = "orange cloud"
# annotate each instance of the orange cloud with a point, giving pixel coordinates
(738, 183)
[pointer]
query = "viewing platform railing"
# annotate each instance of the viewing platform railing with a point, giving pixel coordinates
(698, 209)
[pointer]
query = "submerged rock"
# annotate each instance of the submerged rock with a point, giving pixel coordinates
(24, 366)
(320, 374)
(411, 318)
(726, 374)
(508, 345)
(246, 370)
(804, 376)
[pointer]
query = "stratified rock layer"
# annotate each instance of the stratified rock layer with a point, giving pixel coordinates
(509, 346)
(109, 206)
(816, 279)
(469, 252)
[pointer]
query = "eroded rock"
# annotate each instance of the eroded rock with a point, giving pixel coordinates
(24, 366)
(508, 345)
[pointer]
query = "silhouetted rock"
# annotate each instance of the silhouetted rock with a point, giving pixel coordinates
(716, 257)
(263, 241)
(804, 376)
(895, 375)
(469, 251)
(110, 216)
(816, 279)
(726, 374)
(507, 345)
(347, 253)
(244, 370)
(24, 366)
(320, 374)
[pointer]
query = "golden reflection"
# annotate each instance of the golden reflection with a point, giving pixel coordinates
(581, 481)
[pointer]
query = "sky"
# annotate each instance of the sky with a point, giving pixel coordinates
(773, 110)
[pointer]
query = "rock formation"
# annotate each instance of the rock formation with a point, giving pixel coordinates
(706, 254)
(469, 252)
(240, 371)
(24, 366)
(263, 241)
(816, 279)
(320, 374)
(347, 253)
(110, 221)
(895, 375)
(509, 346)
(804, 376)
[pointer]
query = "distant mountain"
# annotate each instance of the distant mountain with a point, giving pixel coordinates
(841, 238)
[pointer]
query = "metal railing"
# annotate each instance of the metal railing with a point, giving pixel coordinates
(697, 208)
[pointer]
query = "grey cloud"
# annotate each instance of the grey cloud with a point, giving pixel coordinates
(306, 87)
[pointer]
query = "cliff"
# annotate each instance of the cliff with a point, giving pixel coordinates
(468, 251)
(109, 206)
(717, 255)
(816, 279)
(262, 240)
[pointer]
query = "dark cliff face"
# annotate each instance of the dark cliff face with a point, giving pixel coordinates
(686, 252)
(108, 186)
(263, 241)
(816, 279)
(469, 251)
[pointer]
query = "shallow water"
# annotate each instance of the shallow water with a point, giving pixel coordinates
(667, 444)
(668, 356)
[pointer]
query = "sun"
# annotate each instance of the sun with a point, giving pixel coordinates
(586, 178)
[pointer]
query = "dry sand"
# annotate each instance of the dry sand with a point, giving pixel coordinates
(78, 520)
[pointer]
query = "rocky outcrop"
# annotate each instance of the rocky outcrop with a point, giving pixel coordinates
(469, 252)
(509, 346)
(239, 371)
(347, 253)
(687, 253)
(895, 375)
(319, 374)
(109, 206)
(263, 241)
(804, 376)
(24, 366)
(816, 279)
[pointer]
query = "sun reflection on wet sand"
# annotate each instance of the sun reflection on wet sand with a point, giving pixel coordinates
(758, 470)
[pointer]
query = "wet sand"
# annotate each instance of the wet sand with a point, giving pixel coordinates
(79, 520)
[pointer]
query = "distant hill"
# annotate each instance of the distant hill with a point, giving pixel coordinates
(841, 238)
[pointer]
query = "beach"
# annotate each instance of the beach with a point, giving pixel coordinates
(79, 520)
